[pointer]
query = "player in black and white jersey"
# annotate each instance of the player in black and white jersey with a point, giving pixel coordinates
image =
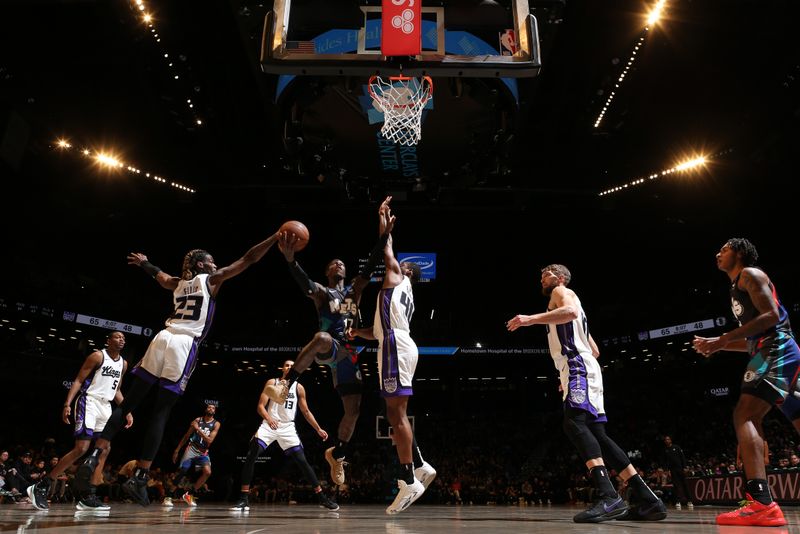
(397, 361)
(278, 425)
(337, 310)
(172, 355)
(198, 439)
(96, 385)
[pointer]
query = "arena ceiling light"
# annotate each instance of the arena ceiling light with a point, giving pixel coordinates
(653, 16)
(684, 166)
(105, 159)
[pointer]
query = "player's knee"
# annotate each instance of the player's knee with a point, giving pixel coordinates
(82, 446)
(323, 340)
(207, 470)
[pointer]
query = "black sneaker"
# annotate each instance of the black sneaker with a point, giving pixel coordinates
(646, 511)
(603, 510)
(241, 506)
(83, 476)
(325, 502)
(90, 502)
(136, 489)
(37, 493)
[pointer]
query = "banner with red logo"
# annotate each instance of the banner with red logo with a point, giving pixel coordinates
(401, 28)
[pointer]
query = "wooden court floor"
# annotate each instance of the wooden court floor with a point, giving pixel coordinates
(286, 519)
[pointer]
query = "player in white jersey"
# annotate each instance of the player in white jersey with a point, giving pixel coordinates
(397, 360)
(95, 386)
(172, 355)
(278, 426)
(575, 356)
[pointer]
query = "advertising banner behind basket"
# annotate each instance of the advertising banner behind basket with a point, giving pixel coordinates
(401, 27)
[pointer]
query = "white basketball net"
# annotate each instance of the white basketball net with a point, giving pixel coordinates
(401, 100)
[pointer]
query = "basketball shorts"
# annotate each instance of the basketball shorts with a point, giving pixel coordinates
(91, 415)
(772, 371)
(193, 457)
(397, 361)
(582, 385)
(170, 360)
(343, 361)
(285, 435)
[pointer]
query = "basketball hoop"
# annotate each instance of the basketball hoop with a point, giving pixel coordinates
(401, 100)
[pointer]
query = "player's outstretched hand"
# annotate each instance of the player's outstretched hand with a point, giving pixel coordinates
(287, 241)
(136, 258)
(516, 322)
(129, 420)
(385, 218)
(707, 345)
(321, 433)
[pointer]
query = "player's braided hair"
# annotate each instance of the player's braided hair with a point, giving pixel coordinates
(189, 269)
(744, 247)
(559, 270)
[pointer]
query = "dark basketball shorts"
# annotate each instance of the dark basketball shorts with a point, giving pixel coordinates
(346, 374)
(772, 371)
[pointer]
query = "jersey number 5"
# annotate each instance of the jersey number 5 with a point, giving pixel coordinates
(188, 307)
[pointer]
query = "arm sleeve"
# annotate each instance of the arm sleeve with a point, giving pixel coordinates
(375, 257)
(302, 279)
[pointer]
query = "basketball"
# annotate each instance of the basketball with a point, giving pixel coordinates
(299, 229)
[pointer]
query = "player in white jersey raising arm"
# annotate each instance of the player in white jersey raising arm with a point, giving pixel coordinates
(397, 361)
(278, 425)
(575, 356)
(97, 384)
(172, 355)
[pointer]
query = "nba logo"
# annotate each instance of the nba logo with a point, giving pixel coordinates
(508, 43)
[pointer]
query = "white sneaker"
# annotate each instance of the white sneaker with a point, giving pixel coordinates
(425, 474)
(337, 467)
(406, 495)
(278, 393)
(167, 501)
(677, 506)
(690, 506)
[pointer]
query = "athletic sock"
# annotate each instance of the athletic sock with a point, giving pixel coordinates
(641, 489)
(340, 450)
(407, 473)
(291, 377)
(758, 488)
(602, 483)
(416, 454)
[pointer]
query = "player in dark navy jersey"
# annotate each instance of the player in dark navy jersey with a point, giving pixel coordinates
(337, 308)
(770, 379)
(201, 434)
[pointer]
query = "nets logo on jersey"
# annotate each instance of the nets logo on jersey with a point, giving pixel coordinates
(737, 308)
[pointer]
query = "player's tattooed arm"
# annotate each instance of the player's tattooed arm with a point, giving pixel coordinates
(756, 283)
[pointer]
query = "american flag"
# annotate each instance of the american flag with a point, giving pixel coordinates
(301, 47)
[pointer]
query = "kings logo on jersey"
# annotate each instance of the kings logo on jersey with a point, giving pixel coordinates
(577, 395)
(110, 371)
(390, 384)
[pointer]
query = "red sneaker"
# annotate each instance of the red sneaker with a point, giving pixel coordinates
(753, 513)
